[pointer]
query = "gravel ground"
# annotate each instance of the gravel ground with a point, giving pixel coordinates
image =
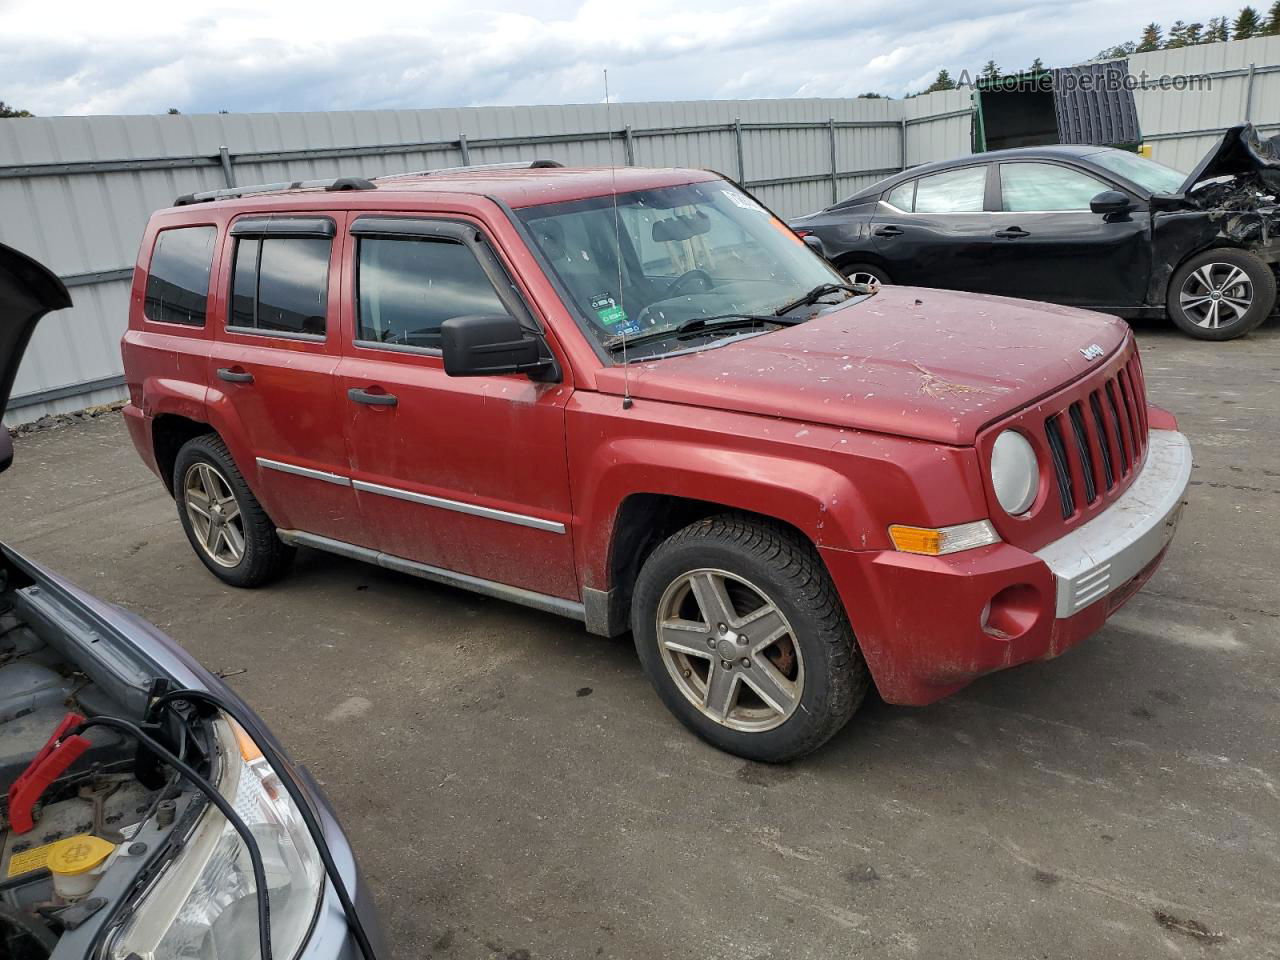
(515, 790)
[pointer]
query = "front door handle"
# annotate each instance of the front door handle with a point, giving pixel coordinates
(1012, 233)
(234, 375)
(372, 399)
(889, 231)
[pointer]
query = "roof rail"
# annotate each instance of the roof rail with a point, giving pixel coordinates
(230, 193)
(512, 165)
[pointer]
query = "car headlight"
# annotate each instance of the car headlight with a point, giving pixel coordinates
(204, 904)
(1015, 473)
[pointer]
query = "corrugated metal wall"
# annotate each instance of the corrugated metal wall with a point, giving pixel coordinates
(76, 192)
(1181, 125)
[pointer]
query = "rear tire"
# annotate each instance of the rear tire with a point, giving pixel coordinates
(867, 273)
(741, 632)
(227, 527)
(1221, 294)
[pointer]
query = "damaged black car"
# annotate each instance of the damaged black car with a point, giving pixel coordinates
(1085, 226)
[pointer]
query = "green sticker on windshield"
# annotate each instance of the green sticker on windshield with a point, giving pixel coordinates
(608, 312)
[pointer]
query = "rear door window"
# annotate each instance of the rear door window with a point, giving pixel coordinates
(956, 191)
(281, 285)
(178, 279)
(408, 287)
(1026, 187)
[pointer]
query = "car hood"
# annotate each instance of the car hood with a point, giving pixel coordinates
(1240, 151)
(27, 292)
(929, 364)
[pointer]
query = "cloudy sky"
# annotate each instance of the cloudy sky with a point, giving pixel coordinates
(143, 56)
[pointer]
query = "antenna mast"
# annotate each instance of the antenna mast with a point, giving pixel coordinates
(617, 252)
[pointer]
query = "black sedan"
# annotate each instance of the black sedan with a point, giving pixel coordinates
(1080, 225)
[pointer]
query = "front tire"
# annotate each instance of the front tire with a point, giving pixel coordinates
(741, 632)
(1221, 294)
(227, 527)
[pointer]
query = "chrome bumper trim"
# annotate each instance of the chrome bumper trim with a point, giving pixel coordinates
(1109, 550)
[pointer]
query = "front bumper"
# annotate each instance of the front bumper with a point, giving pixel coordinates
(928, 626)
(1107, 552)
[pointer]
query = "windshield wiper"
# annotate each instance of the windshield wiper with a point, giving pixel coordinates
(723, 321)
(821, 290)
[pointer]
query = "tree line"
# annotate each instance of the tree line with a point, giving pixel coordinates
(1248, 23)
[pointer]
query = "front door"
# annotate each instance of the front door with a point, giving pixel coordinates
(1048, 245)
(935, 231)
(464, 474)
(271, 373)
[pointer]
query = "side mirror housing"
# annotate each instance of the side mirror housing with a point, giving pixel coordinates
(485, 346)
(814, 244)
(1110, 202)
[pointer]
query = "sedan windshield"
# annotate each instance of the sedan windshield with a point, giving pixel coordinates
(674, 255)
(1151, 176)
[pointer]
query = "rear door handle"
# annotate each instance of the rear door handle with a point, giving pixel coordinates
(1013, 233)
(889, 231)
(232, 375)
(372, 399)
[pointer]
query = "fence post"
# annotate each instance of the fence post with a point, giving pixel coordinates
(464, 149)
(835, 186)
(629, 146)
(742, 163)
(1248, 94)
(224, 157)
(903, 141)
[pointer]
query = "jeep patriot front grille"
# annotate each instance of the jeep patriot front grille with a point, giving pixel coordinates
(1099, 440)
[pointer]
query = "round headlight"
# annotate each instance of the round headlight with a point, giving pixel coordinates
(1015, 475)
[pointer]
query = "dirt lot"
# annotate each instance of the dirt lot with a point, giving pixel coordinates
(515, 790)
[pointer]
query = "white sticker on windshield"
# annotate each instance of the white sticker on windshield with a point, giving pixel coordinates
(743, 201)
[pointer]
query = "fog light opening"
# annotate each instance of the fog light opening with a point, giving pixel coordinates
(1011, 612)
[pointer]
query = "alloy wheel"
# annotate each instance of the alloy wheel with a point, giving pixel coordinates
(214, 514)
(864, 278)
(730, 650)
(1216, 295)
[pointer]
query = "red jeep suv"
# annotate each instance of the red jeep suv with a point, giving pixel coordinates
(635, 398)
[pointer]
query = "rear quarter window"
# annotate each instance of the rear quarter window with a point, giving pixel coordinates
(178, 278)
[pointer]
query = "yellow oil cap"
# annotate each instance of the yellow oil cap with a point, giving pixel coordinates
(79, 854)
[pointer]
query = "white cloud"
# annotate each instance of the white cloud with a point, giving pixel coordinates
(148, 55)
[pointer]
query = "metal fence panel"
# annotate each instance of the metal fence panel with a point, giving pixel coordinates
(76, 192)
(1182, 124)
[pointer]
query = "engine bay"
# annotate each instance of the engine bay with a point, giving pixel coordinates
(99, 823)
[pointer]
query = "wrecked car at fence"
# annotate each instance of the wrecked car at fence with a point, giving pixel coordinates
(1084, 226)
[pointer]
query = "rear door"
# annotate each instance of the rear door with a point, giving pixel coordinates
(272, 387)
(935, 231)
(1048, 245)
(464, 474)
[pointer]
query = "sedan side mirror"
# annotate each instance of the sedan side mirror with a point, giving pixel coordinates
(814, 244)
(1110, 202)
(485, 346)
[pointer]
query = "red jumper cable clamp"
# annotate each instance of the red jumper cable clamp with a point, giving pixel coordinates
(49, 764)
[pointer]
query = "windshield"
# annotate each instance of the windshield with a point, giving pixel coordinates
(1151, 176)
(689, 251)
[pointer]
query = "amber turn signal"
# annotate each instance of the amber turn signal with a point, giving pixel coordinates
(935, 542)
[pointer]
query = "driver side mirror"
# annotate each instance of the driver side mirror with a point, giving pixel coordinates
(485, 346)
(1110, 202)
(814, 244)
